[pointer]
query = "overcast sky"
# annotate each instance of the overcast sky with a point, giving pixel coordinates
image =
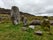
(35, 7)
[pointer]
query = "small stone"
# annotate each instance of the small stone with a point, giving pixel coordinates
(38, 32)
(32, 26)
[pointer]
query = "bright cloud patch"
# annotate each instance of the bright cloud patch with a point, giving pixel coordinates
(30, 6)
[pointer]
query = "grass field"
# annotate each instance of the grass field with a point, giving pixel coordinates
(11, 32)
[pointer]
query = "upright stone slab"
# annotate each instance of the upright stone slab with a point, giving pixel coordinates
(15, 15)
(25, 21)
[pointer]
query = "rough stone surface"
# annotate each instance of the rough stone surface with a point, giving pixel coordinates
(15, 15)
(35, 22)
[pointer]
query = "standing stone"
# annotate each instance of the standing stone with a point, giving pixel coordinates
(25, 21)
(15, 15)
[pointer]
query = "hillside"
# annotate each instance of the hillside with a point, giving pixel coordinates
(5, 13)
(15, 32)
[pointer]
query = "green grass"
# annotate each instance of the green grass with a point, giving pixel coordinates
(11, 32)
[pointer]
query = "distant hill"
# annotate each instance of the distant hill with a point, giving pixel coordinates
(7, 11)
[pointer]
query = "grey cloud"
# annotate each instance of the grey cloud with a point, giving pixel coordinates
(31, 6)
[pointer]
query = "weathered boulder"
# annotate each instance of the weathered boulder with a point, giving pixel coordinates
(35, 22)
(15, 15)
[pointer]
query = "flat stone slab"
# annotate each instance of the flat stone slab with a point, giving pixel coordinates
(38, 32)
(32, 26)
(35, 22)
